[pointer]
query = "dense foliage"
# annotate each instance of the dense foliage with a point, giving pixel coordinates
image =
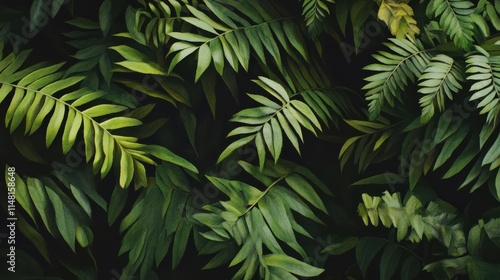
(255, 139)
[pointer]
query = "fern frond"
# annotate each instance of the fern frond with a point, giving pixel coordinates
(311, 83)
(367, 148)
(399, 18)
(253, 219)
(150, 24)
(92, 53)
(314, 12)
(455, 19)
(36, 95)
(394, 71)
(267, 125)
(485, 70)
(230, 38)
(156, 222)
(441, 78)
(436, 221)
(61, 216)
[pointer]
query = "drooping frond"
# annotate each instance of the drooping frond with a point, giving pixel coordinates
(49, 206)
(157, 223)
(406, 61)
(485, 70)
(455, 19)
(252, 226)
(267, 125)
(441, 78)
(314, 12)
(37, 92)
(399, 18)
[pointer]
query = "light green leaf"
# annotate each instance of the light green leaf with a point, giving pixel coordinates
(292, 265)
(204, 59)
(64, 218)
(143, 67)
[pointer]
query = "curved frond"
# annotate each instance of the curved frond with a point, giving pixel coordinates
(253, 220)
(314, 12)
(441, 78)
(157, 222)
(269, 124)
(48, 205)
(406, 61)
(455, 19)
(37, 95)
(485, 72)
(226, 38)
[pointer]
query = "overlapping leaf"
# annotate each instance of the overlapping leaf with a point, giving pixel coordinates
(366, 149)
(225, 37)
(435, 221)
(394, 71)
(36, 96)
(60, 215)
(455, 18)
(253, 220)
(157, 222)
(314, 12)
(484, 70)
(441, 78)
(393, 257)
(281, 117)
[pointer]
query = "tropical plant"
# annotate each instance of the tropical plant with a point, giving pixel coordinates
(137, 132)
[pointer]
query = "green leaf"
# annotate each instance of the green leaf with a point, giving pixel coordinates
(21, 192)
(380, 179)
(366, 249)
(341, 246)
(411, 268)
(105, 16)
(180, 241)
(246, 251)
(41, 201)
(390, 261)
(116, 204)
(204, 59)
(143, 67)
(292, 265)
(55, 123)
(120, 122)
(233, 146)
(478, 269)
(64, 218)
(102, 110)
(168, 156)
(305, 190)
(131, 54)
